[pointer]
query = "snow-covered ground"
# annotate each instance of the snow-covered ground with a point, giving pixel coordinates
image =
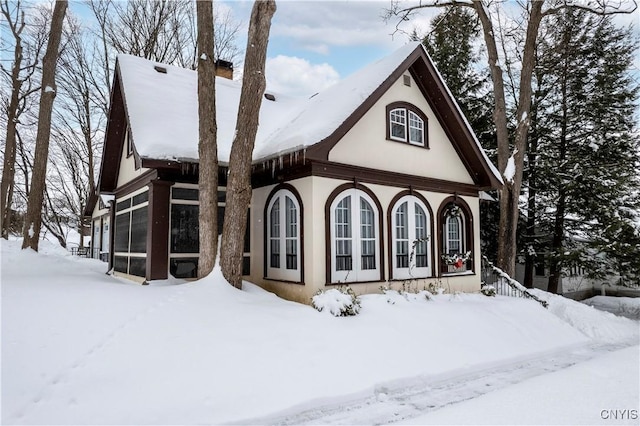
(81, 347)
(623, 306)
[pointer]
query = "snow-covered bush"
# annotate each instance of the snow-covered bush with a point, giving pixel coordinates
(488, 290)
(340, 302)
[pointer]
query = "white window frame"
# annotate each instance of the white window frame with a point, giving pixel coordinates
(282, 272)
(356, 274)
(461, 234)
(412, 271)
(397, 112)
(415, 122)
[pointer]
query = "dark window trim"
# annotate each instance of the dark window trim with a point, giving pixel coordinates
(129, 142)
(327, 229)
(390, 230)
(265, 221)
(408, 107)
(468, 228)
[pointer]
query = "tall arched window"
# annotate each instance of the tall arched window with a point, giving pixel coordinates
(355, 237)
(456, 231)
(411, 239)
(283, 260)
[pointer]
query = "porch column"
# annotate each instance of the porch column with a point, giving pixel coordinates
(158, 230)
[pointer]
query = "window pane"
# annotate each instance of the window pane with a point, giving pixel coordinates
(123, 205)
(139, 230)
(274, 243)
(292, 221)
(397, 123)
(121, 264)
(367, 235)
(291, 234)
(184, 194)
(402, 228)
(138, 266)
(141, 198)
(121, 238)
(366, 220)
(453, 235)
(416, 129)
(185, 229)
(402, 254)
(275, 253)
(343, 255)
(184, 267)
(421, 237)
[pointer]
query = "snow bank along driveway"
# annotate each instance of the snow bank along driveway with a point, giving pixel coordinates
(80, 347)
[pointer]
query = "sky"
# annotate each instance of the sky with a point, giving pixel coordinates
(315, 43)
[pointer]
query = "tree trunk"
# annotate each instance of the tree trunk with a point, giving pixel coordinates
(8, 170)
(207, 146)
(239, 182)
(33, 218)
(510, 192)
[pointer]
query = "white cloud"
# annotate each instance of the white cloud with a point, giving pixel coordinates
(320, 25)
(299, 77)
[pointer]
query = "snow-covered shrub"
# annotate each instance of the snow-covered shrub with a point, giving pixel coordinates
(488, 290)
(340, 302)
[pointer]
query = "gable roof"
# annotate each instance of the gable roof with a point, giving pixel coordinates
(161, 109)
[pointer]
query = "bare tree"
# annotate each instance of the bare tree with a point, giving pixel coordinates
(207, 146)
(33, 219)
(163, 31)
(239, 180)
(19, 78)
(512, 149)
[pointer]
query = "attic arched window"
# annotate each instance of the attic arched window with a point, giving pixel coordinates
(407, 123)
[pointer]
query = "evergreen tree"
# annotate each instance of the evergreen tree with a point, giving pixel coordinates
(586, 155)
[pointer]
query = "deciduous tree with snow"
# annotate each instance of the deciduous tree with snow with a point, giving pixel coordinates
(207, 145)
(33, 218)
(239, 180)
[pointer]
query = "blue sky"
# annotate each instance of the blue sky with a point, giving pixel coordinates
(316, 43)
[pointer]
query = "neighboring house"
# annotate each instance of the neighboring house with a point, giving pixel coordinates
(375, 179)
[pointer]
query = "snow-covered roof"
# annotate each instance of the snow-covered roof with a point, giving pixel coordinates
(162, 106)
(163, 109)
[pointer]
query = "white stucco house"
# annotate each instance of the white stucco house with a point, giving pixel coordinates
(376, 179)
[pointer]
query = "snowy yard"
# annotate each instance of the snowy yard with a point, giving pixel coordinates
(81, 347)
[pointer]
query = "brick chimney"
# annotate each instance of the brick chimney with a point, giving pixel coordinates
(224, 69)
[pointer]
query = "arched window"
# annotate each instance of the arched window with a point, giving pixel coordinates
(283, 260)
(456, 248)
(406, 123)
(411, 239)
(355, 237)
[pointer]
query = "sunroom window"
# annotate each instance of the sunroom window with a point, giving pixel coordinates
(355, 239)
(283, 237)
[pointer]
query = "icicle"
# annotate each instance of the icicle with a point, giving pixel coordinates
(304, 156)
(280, 162)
